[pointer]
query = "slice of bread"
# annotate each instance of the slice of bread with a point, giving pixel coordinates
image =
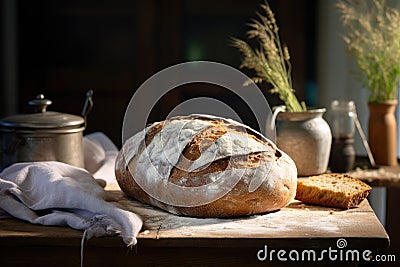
(332, 190)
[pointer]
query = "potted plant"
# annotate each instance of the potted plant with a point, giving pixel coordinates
(373, 39)
(302, 133)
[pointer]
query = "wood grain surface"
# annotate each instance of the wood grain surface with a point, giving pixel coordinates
(386, 176)
(166, 236)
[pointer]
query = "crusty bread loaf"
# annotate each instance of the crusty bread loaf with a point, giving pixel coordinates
(205, 166)
(332, 190)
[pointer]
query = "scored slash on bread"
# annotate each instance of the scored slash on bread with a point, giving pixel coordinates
(205, 166)
(332, 190)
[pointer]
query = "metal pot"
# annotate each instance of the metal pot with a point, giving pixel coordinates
(43, 135)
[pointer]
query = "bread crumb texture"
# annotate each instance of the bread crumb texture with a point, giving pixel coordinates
(332, 190)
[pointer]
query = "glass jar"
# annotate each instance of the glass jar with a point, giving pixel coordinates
(341, 118)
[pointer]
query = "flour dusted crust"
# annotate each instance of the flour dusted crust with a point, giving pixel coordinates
(226, 168)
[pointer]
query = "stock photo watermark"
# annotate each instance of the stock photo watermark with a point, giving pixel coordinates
(144, 101)
(337, 253)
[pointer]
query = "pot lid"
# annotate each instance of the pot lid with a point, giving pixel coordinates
(42, 119)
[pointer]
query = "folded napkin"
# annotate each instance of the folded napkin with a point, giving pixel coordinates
(54, 193)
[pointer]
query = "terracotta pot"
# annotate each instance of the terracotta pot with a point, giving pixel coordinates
(382, 133)
(306, 138)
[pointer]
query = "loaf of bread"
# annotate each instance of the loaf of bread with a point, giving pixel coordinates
(332, 190)
(206, 166)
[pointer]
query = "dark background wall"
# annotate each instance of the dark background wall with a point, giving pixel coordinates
(63, 48)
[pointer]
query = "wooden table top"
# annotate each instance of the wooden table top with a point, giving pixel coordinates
(169, 240)
(297, 225)
(385, 176)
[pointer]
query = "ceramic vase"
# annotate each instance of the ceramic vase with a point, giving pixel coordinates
(382, 133)
(306, 138)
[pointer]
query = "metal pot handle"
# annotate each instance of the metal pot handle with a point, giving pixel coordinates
(87, 107)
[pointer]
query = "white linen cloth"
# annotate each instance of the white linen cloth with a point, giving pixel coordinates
(99, 155)
(54, 193)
